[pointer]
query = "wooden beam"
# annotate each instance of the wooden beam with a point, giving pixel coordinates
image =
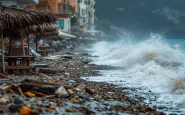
(3, 76)
(18, 67)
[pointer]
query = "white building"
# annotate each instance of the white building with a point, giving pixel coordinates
(64, 22)
(90, 12)
(81, 4)
(18, 3)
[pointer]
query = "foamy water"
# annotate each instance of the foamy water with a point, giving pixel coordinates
(155, 63)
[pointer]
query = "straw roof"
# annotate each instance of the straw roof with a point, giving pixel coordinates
(17, 18)
(48, 34)
(41, 29)
(15, 34)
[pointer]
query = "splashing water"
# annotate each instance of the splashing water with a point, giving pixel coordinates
(156, 63)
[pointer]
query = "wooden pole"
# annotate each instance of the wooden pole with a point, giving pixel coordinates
(23, 47)
(10, 46)
(2, 44)
(2, 51)
(28, 45)
(36, 42)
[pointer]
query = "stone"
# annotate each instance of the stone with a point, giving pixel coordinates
(77, 89)
(85, 97)
(70, 92)
(15, 107)
(61, 92)
(34, 112)
(4, 100)
(18, 100)
(88, 90)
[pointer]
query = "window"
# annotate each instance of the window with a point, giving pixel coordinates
(59, 7)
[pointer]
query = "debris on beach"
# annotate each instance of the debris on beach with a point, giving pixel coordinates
(60, 90)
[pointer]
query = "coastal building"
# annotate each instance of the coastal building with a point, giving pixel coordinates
(53, 6)
(18, 3)
(81, 14)
(90, 16)
(74, 8)
(64, 22)
(60, 7)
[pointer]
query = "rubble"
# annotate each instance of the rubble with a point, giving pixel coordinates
(61, 90)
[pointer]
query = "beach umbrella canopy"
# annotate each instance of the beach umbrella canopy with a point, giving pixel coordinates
(41, 29)
(16, 18)
(11, 17)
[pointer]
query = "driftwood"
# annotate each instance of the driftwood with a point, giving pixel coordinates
(44, 76)
(49, 71)
(3, 76)
(38, 93)
(20, 91)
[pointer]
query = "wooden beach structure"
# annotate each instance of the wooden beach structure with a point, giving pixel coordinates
(12, 18)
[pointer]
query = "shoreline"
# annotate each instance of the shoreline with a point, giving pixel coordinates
(81, 96)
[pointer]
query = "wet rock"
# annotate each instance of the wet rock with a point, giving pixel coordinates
(15, 108)
(74, 100)
(84, 97)
(70, 92)
(61, 92)
(18, 100)
(88, 90)
(77, 89)
(86, 110)
(68, 110)
(4, 100)
(34, 112)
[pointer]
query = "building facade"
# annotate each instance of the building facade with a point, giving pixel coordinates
(90, 15)
(18, 3)
(81, 14)
(64, 22)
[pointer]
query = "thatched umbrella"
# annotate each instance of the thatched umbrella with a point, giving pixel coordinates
(15, 18)
(41, 30)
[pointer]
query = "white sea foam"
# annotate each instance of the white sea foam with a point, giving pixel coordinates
(153, 63)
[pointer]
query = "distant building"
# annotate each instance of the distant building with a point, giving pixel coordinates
(61, 8)
(18, 3)
(53, 6)
(81, 14)
(64, 22)
(90, 15)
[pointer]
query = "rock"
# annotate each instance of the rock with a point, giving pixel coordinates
(74, 100)
(34, 112)
(86, 110)
(88, 90)
(84, 97)
(4, 100)
(70, 92)
(71, 81)
(18, 100)
(15, 108)
(68, 110)
(61, 92)
(77, 89)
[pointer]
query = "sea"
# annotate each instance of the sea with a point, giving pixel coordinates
(154, 65)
